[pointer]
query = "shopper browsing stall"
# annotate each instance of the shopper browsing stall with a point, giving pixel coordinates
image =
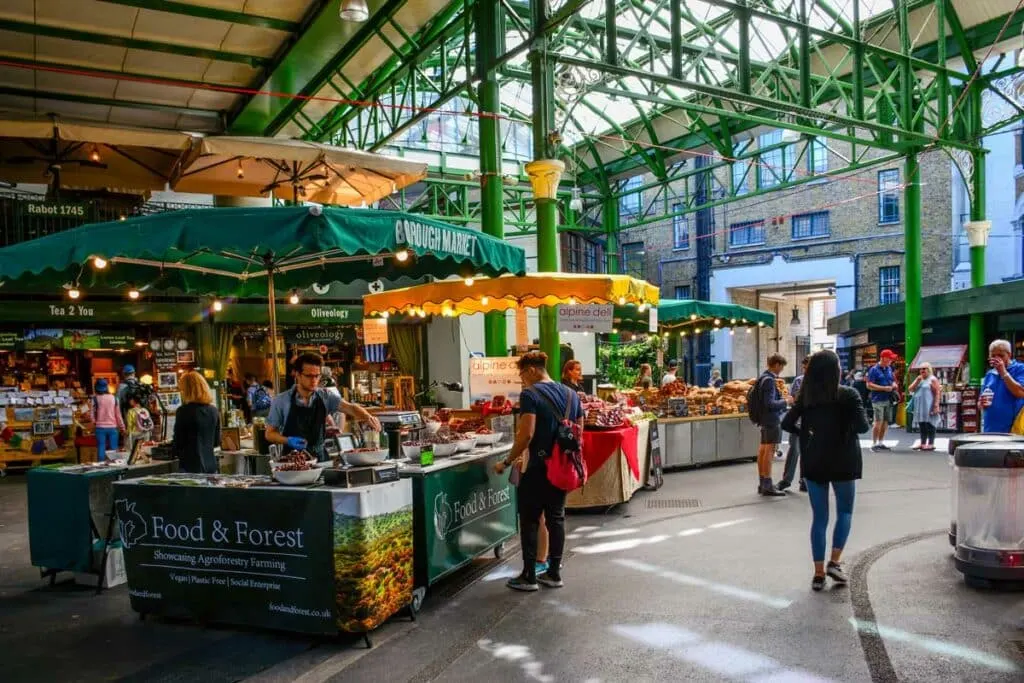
(196, 426)
(670, 375)
(298, 417)
(572, 375)
(107, 419)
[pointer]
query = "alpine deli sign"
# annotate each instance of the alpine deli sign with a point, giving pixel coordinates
(494, 376)
(586, 318)
(432, 238)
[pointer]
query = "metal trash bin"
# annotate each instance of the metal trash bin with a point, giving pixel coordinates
(954, 443)
(990, 511)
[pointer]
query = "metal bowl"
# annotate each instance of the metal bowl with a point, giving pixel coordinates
(298, 477)
(464, 445)
(444, 450)
(365, 458)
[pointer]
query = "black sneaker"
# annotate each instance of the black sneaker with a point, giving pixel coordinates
(782, 485)
(520, 583)
(803, 486)
(835, 572)
(818, 583)
(883, 447)
(875, 448)
(546, 579)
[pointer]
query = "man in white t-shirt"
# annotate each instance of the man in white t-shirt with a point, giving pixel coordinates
(670, 375)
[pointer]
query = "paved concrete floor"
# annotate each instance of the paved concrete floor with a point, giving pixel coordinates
(657, 590)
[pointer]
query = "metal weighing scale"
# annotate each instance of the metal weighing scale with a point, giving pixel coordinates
(394, 422)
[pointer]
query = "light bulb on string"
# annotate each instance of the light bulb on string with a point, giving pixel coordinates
(749, 330)
(693, 316)
(74, 292)
(217, 306)
(240, 172)
(94, 155)
(402, 255)
(572, 301)
(622, 301)
(484, 300)
(469, 281)
(294, 298)
(385, 315)
(717, 322)
(99, 263)
(733, 321)
(641, 308)
(697, 331)
(732, 332)
(760, 324)
(133, 292)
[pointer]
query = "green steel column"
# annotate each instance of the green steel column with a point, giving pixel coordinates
(912, 258)
(543, 80)
(977, 349)
(610, 222)
(491, 183)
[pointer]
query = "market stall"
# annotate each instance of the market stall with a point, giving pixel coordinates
(39, 426)
(462, 509)
(245, 550)
(71, 515)
(617, 465)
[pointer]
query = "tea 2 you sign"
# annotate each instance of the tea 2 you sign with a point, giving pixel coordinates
(490, 377)
(586, 318)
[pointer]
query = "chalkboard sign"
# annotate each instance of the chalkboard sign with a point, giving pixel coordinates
(654, 474)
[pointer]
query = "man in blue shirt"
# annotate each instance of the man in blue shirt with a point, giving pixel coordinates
(298, 417)
(883, 386)
(1002, 390)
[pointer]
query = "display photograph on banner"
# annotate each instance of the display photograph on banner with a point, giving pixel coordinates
(490, 377)
(375, 331)
(653, 320)
(586, 318)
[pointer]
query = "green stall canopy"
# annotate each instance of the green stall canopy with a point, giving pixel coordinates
(225, 252)
(677, 313)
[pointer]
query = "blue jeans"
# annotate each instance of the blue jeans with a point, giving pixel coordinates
(106, 438)
(818, 494)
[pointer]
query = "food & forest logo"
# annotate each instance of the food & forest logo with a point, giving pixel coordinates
(131, 526)
(443, 517)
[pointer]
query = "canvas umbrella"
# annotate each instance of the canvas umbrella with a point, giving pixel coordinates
(254, 252)
(295, 170)
(88, 156)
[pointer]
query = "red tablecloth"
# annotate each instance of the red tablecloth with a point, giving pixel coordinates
(599, 445)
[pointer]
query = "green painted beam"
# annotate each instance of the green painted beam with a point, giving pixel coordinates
(110, 74)
(309, 64)
(204, 12)
(129, 43)
(109, 102)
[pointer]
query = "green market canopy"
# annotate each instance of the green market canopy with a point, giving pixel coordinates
(690, 313)
(231, 251)
(254, 252)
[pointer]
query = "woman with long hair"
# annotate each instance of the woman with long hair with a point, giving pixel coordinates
(828, 418)
(572, 375)
(196, 426)
(645, 380)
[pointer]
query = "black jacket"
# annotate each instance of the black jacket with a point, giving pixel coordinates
(829, 441)
(196, 434)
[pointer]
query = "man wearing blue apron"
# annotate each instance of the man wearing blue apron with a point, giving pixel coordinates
(298, 417)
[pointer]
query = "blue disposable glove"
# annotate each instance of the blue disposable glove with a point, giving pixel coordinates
(296, 443)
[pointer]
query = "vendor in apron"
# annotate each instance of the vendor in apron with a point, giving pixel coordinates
(298, 417)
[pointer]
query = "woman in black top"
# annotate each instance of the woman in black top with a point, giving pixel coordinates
(828, 419)
(196, 426)
(572, 375)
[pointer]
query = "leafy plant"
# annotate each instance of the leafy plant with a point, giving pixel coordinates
(619, 364)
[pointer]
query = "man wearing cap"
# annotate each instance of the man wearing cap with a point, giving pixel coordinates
(124, 390)
(883, 386)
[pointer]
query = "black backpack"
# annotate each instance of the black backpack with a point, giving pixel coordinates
(755, 401)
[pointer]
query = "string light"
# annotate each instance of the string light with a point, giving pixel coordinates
(294, 298)
(94, 156)
(732, 332)
(240, 172)
(99, 263)
(760, 324)
(385, 315)
(693, 316)
(74, 292)
(469, 281)
(484, 300)
(572, 301)
(133, 293)
(402, 256)
(217, 306)
(641, 308)
(749, 330)
(622, 301)
(717, 322)
(697, 331)
(733, 321)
